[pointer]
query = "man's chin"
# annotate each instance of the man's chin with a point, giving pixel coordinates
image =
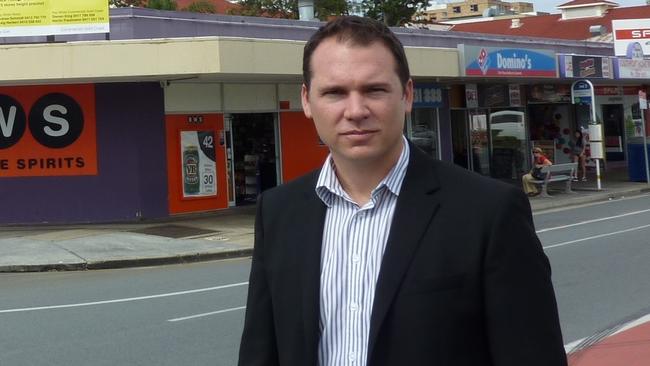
(359, 154)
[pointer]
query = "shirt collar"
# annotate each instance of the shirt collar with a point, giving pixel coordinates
(328, 185)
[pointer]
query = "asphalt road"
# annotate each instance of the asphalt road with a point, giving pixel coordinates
(193, 314)
(600, 255)
(124, 317)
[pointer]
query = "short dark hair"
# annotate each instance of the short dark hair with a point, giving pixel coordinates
(359, 31)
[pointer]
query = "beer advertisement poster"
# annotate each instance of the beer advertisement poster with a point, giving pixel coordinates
(198, 163)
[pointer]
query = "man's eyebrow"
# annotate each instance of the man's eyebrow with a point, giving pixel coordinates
(380, 85)
(333, 87)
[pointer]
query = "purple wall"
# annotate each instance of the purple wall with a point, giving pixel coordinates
(132, 171)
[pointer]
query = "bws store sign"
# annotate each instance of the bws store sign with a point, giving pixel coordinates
(47, 131)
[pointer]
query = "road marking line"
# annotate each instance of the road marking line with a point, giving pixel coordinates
(206, 314)
(642, 320)
(596, 237)
(590, 204)
(139, 298)
(568, 348)
(592, 221)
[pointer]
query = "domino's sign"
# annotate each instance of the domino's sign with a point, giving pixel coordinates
(507, 62)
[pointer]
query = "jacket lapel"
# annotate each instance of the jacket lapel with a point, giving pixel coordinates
(308, 236)
(416, 206)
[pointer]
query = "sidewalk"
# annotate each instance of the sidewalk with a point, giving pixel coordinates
(201, 237)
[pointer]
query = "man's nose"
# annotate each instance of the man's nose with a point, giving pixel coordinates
(356, 107)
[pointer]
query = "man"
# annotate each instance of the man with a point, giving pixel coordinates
(386, 256)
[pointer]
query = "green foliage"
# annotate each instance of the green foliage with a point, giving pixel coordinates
(393, 12)
(323, 9)
(201, 6)
(162, 4)
(268, 8)
(125, 3)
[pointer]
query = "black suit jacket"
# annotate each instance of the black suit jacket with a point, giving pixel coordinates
(463, 282)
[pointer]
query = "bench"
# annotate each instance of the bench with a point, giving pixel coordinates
(556, 173)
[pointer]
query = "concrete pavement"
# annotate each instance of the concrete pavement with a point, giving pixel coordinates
(189, 238)
(216, 235)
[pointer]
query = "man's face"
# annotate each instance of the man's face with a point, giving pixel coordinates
(357, 101)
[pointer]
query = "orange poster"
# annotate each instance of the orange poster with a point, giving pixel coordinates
(48, 131)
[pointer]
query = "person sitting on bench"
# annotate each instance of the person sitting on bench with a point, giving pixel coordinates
(535, 174)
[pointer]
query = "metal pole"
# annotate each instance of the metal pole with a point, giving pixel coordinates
(645, 146)
(598, 173)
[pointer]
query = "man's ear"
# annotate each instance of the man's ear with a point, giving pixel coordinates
(408, 96)
(304, 98)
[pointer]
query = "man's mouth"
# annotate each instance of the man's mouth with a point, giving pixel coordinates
(358, 132)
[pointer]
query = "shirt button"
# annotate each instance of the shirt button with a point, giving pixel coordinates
(355, 258)
(352, 356)
(354, 306)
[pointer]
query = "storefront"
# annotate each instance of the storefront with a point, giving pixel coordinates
(609, 112)
(260, 134)
(428, 121)
(625, 114)
(489, 121)
(202, 123)
(82, 153)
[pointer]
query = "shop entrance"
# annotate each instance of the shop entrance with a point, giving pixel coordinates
(614, 131)
(509, 143)
(252, 155)
(470, 142)
(459, 139)
(490, 141)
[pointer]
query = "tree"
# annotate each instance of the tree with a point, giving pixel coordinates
(268, 8)
(162, 4)
(324, 9)
(124, 3)
(393, 12)
(201, 6)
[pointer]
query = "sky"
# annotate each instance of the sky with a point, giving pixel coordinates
(549, 5)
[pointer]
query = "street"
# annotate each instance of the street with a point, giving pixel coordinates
(193, 314)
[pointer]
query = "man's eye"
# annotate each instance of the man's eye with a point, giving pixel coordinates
(376, 90)
(332, 93)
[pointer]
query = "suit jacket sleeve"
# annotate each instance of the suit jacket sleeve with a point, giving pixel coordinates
(258, 343)
(520, 307)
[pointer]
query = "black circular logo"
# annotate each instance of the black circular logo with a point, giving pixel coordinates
(12, 121)
(56, 120)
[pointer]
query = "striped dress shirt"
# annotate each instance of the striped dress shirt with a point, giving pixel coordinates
(354, 240)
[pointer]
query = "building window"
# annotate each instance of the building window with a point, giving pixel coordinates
(456, 9)
(473, 7)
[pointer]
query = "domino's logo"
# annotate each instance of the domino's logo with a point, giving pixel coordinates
(483, 61)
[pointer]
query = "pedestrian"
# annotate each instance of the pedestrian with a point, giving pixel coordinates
(579, 155)
(539, 161)
(386, 256)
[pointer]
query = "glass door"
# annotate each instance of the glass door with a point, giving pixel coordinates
(459, 139)
(423, 130)
(509, 144)
(479, 141)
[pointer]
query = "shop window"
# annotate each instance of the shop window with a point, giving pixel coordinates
(424, 130)
(509, 144)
